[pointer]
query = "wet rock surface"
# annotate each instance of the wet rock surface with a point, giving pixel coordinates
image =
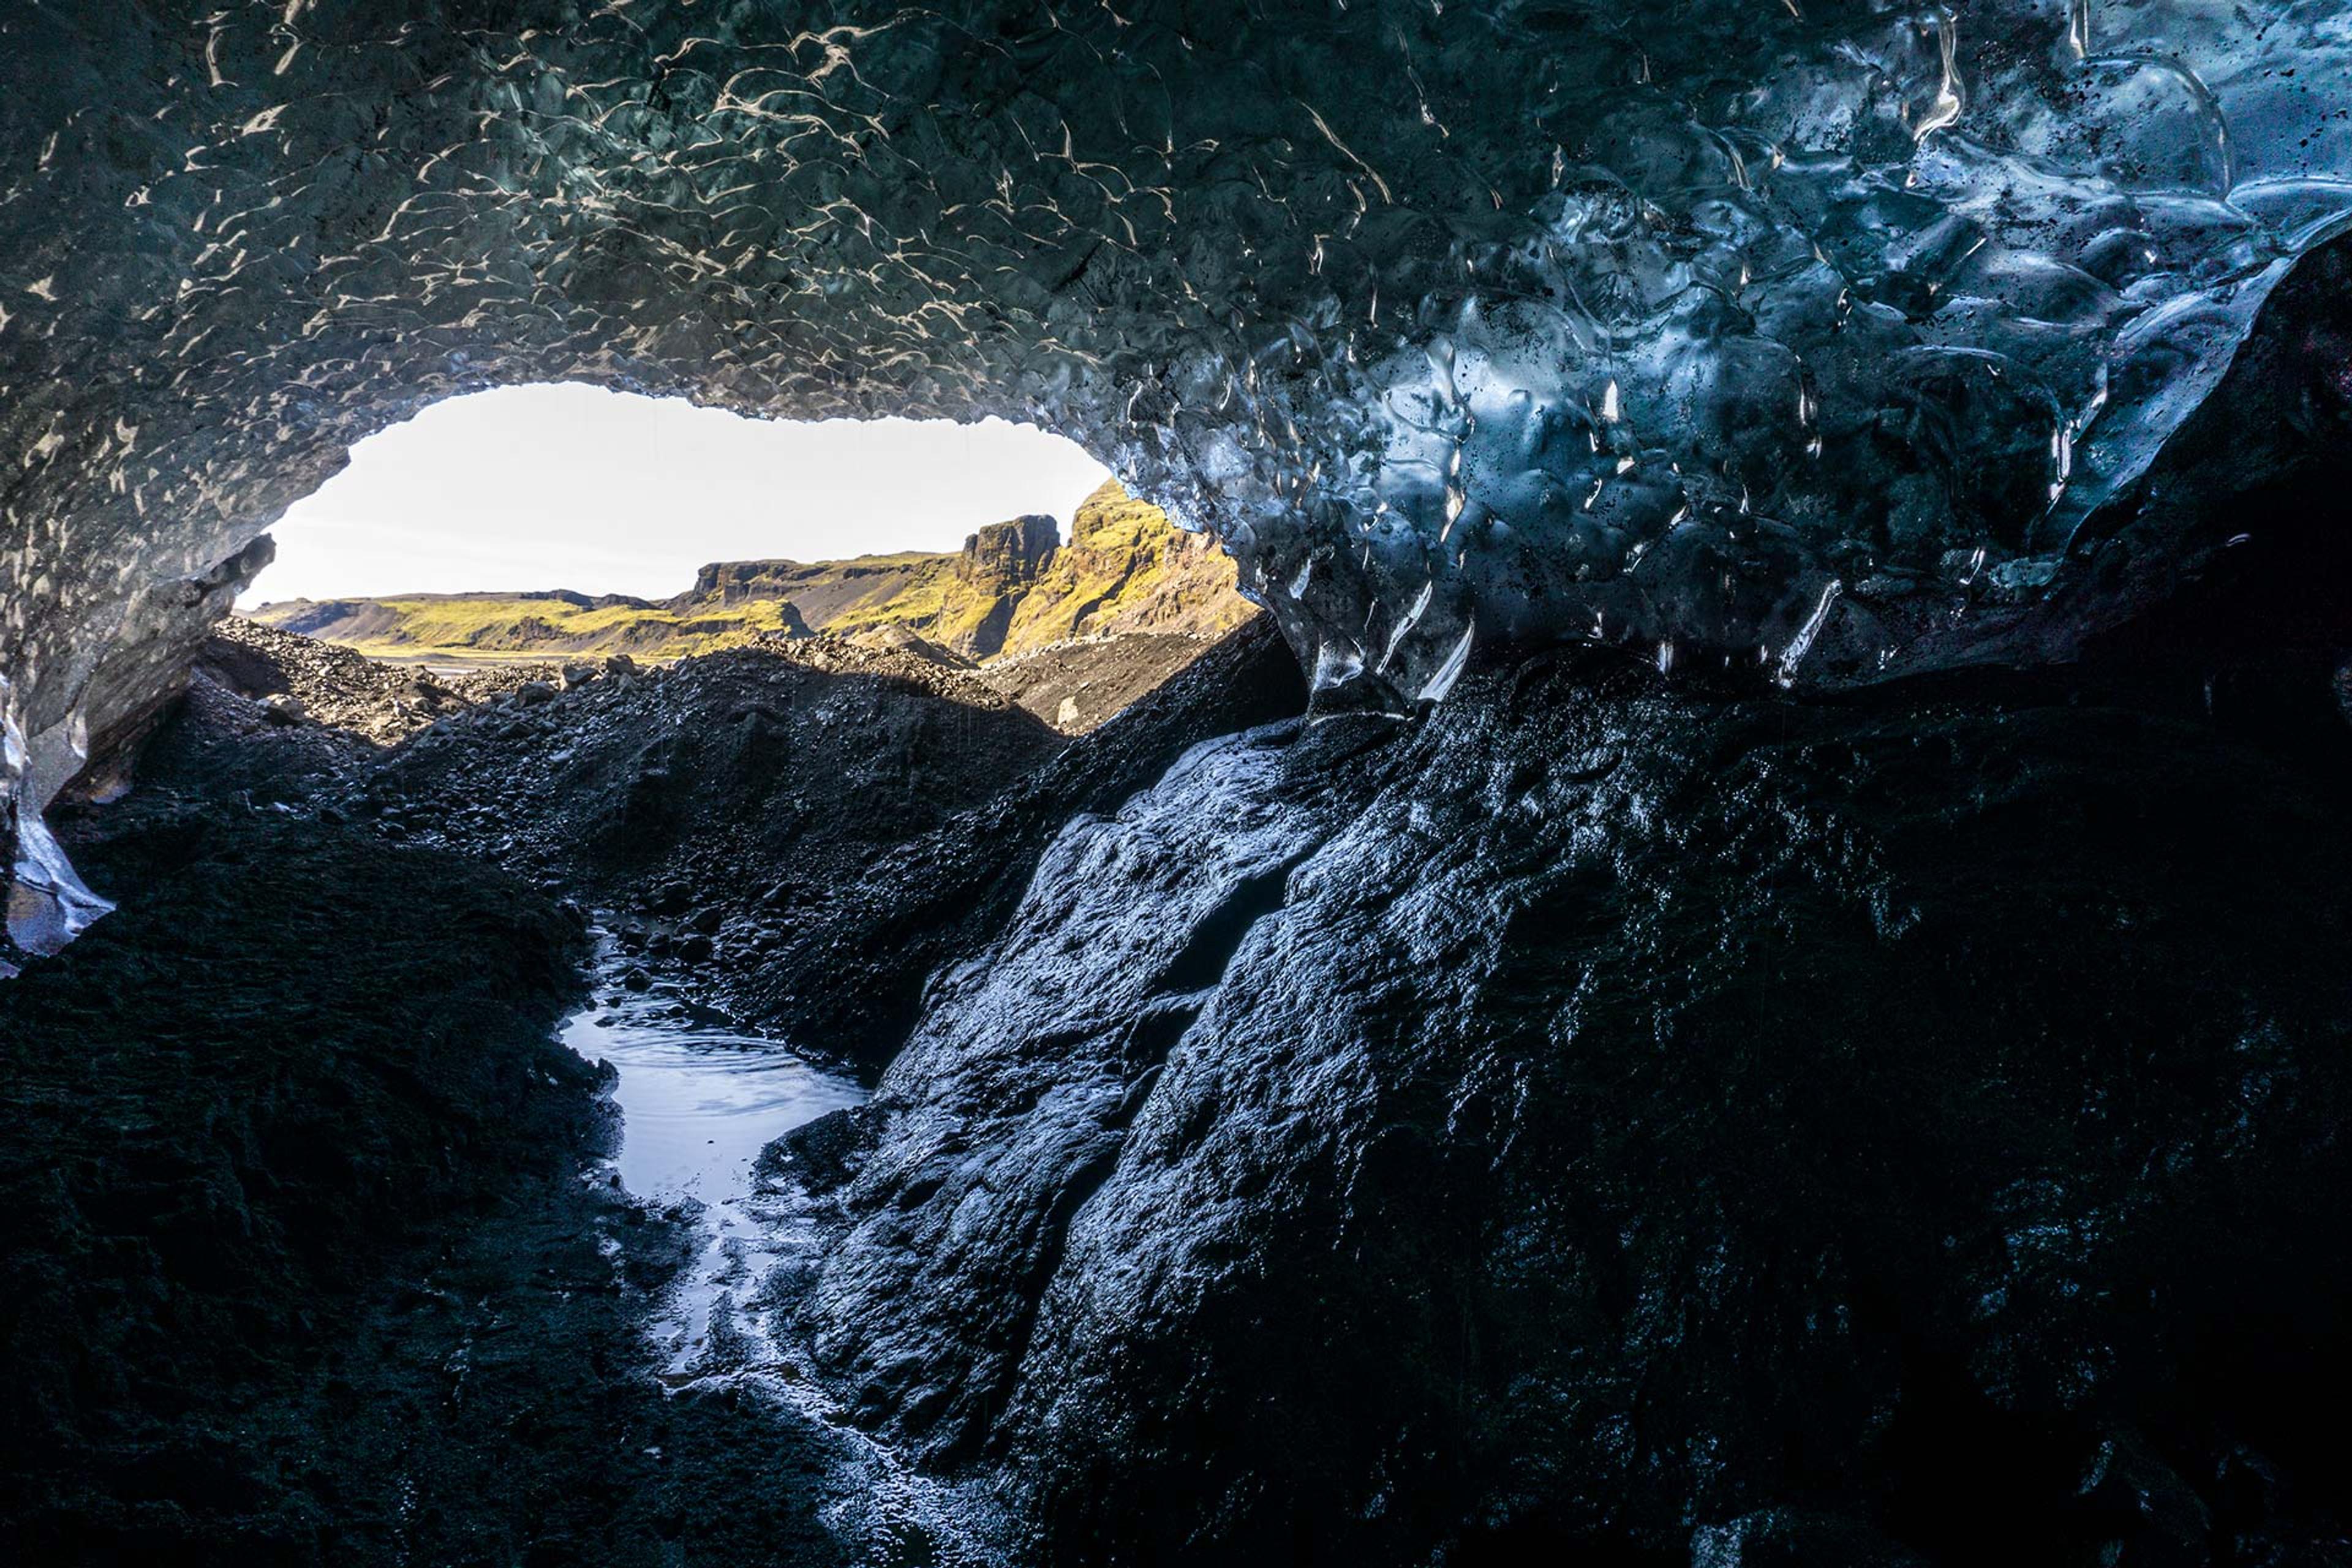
(1744, 1132)
(858, 953)
(1601, 1115)
(1602, 1118)
(334, 1290)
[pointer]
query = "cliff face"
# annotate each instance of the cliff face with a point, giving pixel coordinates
(1006, 556)
(1125, 569)
(1016, 588)
(1013, 589)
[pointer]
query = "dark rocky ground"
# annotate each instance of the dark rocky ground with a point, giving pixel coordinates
(1603, 1122)
(1594, 1120)
(302, 1267)
(1600, 1119)
(304, 1270)
(1597, 1119)
(803, 832)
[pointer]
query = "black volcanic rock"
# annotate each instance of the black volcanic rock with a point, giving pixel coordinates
(1614, 1117)
(301, 1268)
(1597, 1113)
(231, 1113)
(851, 966)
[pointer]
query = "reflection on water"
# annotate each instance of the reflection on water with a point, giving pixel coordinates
(698, 1102)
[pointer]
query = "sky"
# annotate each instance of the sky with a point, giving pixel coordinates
(604, 492)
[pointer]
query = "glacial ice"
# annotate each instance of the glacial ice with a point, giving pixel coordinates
(47, 904)
(1761, 336)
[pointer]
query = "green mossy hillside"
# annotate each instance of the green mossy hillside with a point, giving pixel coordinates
(1013, 589)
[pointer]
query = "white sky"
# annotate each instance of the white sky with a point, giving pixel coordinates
(575, 487)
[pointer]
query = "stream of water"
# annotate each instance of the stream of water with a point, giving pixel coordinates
(698, 1100)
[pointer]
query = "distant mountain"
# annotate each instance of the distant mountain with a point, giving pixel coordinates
(1013, 588)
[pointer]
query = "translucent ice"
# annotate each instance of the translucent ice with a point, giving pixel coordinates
(47, 905)
(1749, 334)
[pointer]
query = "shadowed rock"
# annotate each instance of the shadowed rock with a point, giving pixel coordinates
(1596, 1113)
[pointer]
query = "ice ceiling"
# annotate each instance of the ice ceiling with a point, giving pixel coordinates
(1766, 333)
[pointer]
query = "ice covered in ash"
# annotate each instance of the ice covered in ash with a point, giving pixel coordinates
(1757, 334)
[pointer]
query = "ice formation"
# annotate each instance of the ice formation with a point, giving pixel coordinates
(1765, 336)
(47, 903)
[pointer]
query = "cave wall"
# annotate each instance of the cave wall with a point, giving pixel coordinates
(1908, 1129)
(1818, 341)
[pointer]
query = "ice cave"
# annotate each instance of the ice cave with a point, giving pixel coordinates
(1664, 884)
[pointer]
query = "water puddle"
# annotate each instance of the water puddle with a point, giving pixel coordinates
(698, 1100)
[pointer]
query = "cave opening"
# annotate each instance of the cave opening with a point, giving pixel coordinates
(683, 669)
(553, 522)
(573, 485)
(589, 690)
